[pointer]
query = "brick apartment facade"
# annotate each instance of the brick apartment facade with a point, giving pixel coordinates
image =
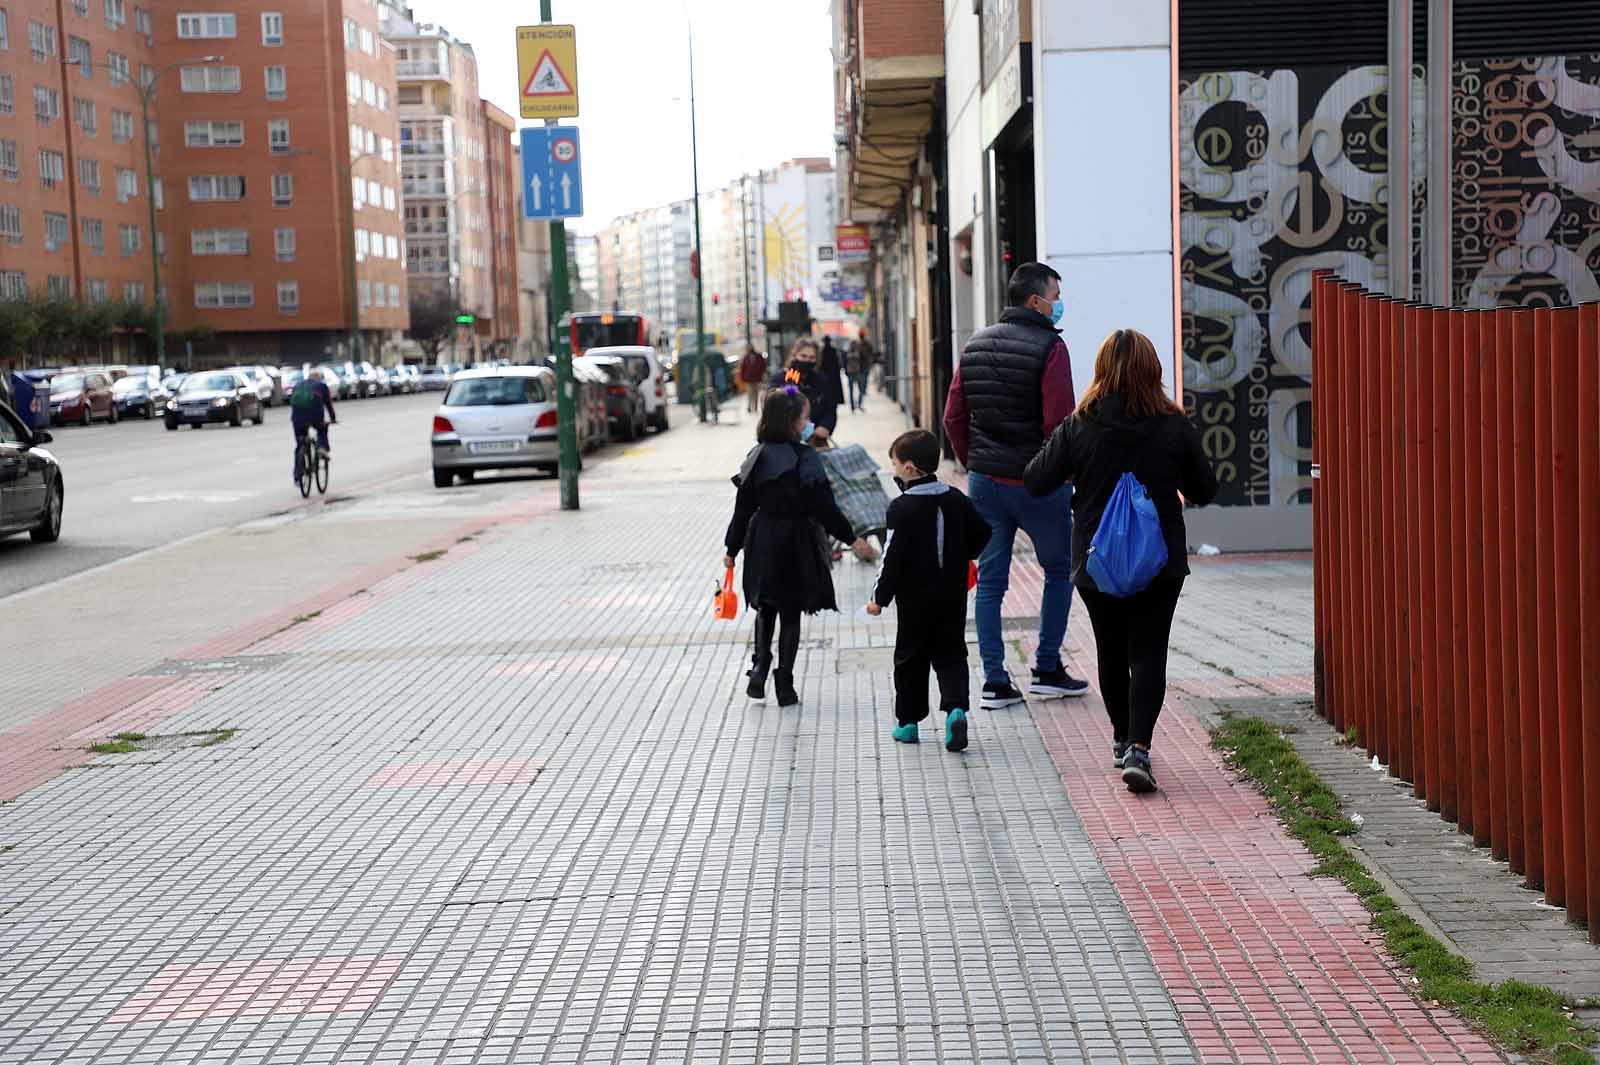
(504, 174)
(260, 204)
(73, 209)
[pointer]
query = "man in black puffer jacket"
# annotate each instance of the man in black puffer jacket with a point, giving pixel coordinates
(1012, 388)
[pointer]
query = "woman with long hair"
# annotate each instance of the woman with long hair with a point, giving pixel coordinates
(804, 372)
(1126, 423)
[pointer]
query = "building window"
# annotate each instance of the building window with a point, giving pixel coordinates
(369, 92)
(277, 83)
(41, 40)
(142, 25)
(10, 170)
(13, 285)
(121, 127)
(133, 292)
(364, 294)
(158, 194)
(83, 113)
(283, 240)
(7, 101)
(383, 98)
(352, 86)
(282, 190)
(58, 287)
(358, 192)
(46, 104)
(394, 295)
(278, 136)
(206, 25)
(11, 225)
(89, 175)
(288, 296)
(349, 33)
(128, 240)
(94, 235)
(52, 168)
(225, 294)
(369, 43)
(408, 95)
(219, 241)
(208, 187)
(363, 245)
(374, 193)
(80, 8)
(390, 201)
(96, 290)
(147, 75)
(272, 28)
(392, 245)
(116, 13)
(81, 55)
(209, 79)
(5, 34)
(127, 184)
(117, 68)
(56, 231)
(213, 134)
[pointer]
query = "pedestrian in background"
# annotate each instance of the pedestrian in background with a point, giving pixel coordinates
(1127, 424)
(1012, 387)
(804, 373)
(752, 371)
(934, 533)
(783, 497)
(852, 371)
(832, 368)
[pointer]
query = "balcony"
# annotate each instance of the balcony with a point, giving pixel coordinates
(888, 78)
(423, 149)
(422, 70)
(424, 187)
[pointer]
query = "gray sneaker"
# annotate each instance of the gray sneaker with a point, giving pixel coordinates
(1136, 771)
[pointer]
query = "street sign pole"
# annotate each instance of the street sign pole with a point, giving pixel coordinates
(560, 300)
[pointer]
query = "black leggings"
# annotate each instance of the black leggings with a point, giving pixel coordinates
(769, 618)
(1131, 636)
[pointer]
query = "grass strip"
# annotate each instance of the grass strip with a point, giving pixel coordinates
(1531, 1020)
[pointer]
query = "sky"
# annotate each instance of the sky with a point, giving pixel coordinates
(763, 87)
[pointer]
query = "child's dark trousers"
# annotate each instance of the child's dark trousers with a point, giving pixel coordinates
(931, 636)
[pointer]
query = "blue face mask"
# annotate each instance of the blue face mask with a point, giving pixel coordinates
(806, 430)
(1058, 310)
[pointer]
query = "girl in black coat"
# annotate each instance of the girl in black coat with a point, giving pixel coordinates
(783, 497)
(1126, 424)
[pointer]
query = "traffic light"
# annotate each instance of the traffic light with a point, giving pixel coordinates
(715, 299)
(465, 319)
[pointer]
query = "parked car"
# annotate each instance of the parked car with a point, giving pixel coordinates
(358, 384)
(495, 419)
(624, 403)
(436, 378)
(257, 380)
(375, 380)
(339, 386)
(278, 393)
(643, 367)
(82, 397)
(153, 374)
(288, 377)
(31, 491)
(138, 397)
(215, 396)
(590, 382)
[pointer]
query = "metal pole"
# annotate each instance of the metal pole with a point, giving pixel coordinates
(1400, 49)
(560, 301)
(699, 274)
(1441, 63)
(155, 239)
(744, 250)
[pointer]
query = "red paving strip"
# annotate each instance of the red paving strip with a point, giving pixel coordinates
(459, 773)
(282, 988)
(33, 753)
(1264, 961)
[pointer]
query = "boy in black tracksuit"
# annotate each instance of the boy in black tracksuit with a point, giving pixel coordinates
(934, 534)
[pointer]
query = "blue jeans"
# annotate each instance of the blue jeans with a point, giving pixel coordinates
(1048, 523)
(299, 424)
(858, 391)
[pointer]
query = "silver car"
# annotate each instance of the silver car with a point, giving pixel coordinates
(501, 418)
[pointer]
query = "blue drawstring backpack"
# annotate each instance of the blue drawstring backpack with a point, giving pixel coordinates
(1128, 549)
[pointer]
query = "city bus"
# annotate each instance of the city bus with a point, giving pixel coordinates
(605, 330)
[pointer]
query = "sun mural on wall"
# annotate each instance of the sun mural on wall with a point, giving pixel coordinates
(784, 237)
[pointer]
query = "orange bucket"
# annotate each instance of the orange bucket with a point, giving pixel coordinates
(725, 601)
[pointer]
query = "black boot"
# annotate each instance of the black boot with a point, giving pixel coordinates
(760, 658)
(783, 684)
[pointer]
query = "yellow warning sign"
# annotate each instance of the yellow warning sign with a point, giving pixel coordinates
(547, 70)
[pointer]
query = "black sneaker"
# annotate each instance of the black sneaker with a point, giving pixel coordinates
(1056, 684)
(999, 696)
(1119, 752)
(1136, 771)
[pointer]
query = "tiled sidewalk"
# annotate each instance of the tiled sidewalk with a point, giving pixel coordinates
(510, 805)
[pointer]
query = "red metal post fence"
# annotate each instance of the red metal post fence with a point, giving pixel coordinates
(1456, 529)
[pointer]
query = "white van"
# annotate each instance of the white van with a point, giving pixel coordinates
(644, 367)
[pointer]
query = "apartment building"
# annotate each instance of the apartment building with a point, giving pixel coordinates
(74, 213)
(503, 166)
(445, 175)
(279, 176)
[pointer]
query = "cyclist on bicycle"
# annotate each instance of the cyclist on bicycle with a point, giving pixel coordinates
(309, 402)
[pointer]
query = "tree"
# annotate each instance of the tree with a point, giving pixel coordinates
(57, 322)
(433, 321)
(18, 328)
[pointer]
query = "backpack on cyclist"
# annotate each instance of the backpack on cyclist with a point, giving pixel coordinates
(304, 398)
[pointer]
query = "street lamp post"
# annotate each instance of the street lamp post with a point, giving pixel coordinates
(699, 273)
(146, 91)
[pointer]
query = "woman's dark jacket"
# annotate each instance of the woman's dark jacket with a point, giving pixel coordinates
(783, 497)
(1094, 448)
(808, 379)
(832, 367)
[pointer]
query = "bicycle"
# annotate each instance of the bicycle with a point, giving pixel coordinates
(310, 463)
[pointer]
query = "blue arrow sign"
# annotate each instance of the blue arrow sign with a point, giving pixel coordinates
(552, 173)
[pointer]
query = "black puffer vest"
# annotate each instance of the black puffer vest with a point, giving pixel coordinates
(1002, 375)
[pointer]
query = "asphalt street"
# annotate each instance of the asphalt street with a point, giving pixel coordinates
(135, 486)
